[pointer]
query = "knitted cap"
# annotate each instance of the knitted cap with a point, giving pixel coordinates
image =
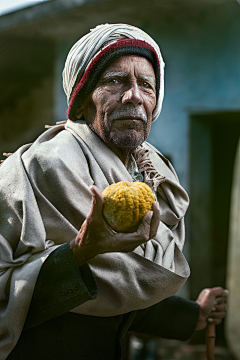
(93, 53)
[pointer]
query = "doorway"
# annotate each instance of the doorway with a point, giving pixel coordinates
(213, 145)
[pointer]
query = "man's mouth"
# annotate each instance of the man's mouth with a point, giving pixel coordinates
(130, 118)
(127, 123)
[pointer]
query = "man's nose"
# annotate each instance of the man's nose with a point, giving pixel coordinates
(132, 95)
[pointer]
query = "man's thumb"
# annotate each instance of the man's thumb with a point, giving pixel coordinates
(97, 202)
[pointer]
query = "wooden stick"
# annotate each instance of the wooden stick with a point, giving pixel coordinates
(210, 341)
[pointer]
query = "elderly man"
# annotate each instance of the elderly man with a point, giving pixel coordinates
(67, 293)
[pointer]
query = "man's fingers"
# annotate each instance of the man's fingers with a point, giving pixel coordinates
(155, 220)
(97, 203)
(220, 300)
(214, 321)
(146, 221)
(146, 231)
(219, 292)
(144, 228)
(96, 192)
(130, 241)
(220, 308)
(149, 225)
(217, 315)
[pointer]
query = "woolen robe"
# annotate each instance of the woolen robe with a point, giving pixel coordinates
(45, 197)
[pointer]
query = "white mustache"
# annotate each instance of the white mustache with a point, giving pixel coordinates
(130, 111)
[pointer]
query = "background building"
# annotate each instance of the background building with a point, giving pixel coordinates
(199, 126)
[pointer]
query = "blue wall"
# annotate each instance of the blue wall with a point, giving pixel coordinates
(201, 50)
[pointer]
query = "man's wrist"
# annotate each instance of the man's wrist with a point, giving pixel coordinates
(202, 319)
(80, 252)
(79, 257)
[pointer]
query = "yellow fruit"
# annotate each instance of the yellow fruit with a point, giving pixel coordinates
(126, 203)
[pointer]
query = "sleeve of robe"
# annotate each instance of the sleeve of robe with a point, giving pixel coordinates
(61, 286)
(172, 318)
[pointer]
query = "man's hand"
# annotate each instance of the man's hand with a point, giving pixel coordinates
(213, 306)
(96, 237)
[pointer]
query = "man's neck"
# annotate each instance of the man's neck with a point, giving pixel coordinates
(123, 153)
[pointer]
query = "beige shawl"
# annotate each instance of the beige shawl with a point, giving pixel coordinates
(45, 197)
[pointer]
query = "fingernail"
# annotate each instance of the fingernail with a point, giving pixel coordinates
(210, 320)
(213, 309)
(226, 291)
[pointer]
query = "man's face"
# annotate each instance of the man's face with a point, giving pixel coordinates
(120, 107)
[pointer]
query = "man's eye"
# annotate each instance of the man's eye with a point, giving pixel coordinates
(145, 84)
(114, 81)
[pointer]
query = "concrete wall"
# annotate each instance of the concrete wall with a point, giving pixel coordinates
(26, 89)
(60, 99)
(24, 120)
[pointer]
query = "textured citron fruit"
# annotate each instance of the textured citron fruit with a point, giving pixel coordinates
(126, 203)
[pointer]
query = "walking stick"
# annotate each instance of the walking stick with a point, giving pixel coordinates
(210, 341)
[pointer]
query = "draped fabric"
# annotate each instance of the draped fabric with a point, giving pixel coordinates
(85, 49)
(44, 199)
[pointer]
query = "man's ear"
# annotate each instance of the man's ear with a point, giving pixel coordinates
(78, 113)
